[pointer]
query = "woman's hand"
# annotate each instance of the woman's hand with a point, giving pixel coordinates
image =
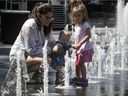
(37, 60)
(49, 60)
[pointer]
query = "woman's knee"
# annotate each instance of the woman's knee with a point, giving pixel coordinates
(33, 68)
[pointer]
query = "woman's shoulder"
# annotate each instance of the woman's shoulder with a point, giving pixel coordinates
(29, 26)
(30, 21)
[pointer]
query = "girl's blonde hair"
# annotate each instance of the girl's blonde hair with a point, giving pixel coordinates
(81, 8)
(74, 3)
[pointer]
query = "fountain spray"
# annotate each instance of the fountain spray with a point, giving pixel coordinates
(45, 65)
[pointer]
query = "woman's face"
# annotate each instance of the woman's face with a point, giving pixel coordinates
(45, 19)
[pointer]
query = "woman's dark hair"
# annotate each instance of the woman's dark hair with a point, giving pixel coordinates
(47, 29)
(42, 9)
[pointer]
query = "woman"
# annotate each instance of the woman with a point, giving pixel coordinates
(32, 36)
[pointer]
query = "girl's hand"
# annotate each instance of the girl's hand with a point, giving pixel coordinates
(76, 46)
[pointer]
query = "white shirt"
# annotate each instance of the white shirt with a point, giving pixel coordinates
(30, 39)
(80, 34)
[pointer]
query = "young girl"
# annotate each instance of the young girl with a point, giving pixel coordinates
(83, 46)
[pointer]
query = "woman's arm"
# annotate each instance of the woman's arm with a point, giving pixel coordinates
(32, 41)
(33, 60)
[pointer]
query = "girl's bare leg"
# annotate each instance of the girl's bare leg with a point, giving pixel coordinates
(77, 71)
(83, 71)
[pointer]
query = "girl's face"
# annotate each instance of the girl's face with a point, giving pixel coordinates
(77, 18)
(45, 19)
(73, 20)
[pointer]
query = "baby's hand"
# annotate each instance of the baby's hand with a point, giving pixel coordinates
(58, 49)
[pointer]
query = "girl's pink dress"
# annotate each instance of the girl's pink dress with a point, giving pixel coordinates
(85, 52)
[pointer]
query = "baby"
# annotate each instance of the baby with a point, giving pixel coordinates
(59, 52)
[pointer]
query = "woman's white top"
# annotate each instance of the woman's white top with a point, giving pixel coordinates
(30, 39)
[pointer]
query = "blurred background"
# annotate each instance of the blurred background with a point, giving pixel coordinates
(13, 13)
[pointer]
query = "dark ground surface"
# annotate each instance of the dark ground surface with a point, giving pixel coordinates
(114, 85)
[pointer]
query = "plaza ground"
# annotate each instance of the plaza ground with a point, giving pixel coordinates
(113, 85)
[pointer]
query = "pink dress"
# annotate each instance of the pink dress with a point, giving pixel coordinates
(85, 52)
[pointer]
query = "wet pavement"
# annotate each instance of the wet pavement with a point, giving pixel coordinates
(112, 85)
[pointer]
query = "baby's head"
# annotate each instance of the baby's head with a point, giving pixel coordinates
(64, 35)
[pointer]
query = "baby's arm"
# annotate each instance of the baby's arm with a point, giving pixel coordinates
(58, 48)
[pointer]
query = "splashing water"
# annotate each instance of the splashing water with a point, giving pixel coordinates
(45, 67)
(17, 76)
(72, 64)
(18, 72)
(66, 70)
(114, 44)
(69, 66)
